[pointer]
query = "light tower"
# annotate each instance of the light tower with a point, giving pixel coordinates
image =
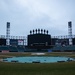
(8, 34)
(70, 32)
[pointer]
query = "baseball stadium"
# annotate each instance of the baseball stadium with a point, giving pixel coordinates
(39, 40)
(42, 53)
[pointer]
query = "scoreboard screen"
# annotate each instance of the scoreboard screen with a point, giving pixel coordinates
(41, 39)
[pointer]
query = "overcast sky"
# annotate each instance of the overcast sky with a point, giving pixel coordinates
(26, 15)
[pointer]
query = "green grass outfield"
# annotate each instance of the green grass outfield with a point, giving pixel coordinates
(64, 68)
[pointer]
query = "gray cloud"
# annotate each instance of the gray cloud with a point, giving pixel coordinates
(25, 15)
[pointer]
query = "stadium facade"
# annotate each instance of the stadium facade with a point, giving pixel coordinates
(39, 40)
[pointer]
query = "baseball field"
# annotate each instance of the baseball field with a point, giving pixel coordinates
(60, 68)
